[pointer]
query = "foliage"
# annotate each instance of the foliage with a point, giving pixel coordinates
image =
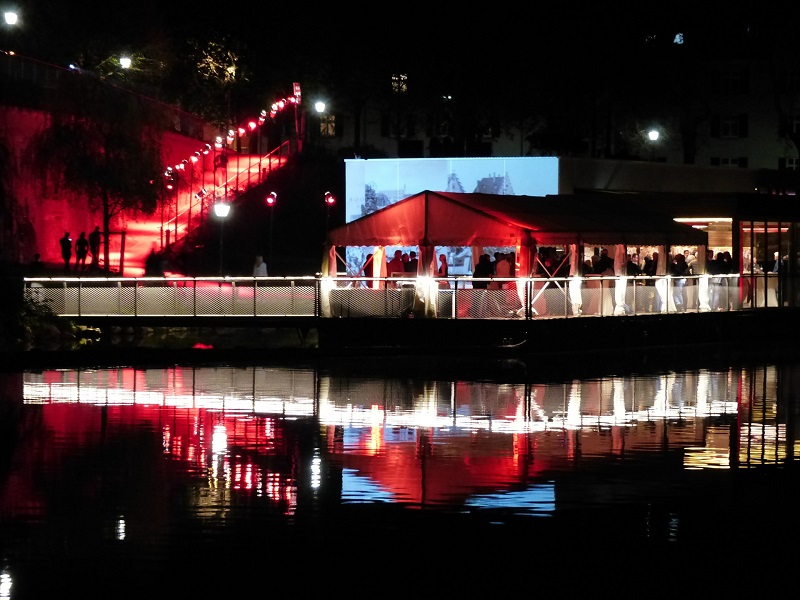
(102, 143)
(213, 73)
(32, 324)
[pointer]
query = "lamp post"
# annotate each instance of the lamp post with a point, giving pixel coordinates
(271, 199)
(193, 161)
(319, 107)
(299, 120)
(221, 209)
(10, 20)
(329, 202)
(653, 136)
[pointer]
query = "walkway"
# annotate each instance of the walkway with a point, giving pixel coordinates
(234, 298)
(194, 204)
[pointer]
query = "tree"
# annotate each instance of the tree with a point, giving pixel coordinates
(102, 144)
(212, 73)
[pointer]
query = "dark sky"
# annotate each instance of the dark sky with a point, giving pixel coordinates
(301, 31)
(285, 41)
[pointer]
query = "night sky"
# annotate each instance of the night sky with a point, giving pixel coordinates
(274, 38)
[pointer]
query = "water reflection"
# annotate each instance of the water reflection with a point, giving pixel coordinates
(150, 459)
(415, 442)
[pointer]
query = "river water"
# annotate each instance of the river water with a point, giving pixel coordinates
(154, 482)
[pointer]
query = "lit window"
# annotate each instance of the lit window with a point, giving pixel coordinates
(327, 126)
(400, 84)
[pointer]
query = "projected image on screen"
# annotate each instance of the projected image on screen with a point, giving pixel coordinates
(373, 184)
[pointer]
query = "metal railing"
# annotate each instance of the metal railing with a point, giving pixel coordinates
(255, 171)
(355, 297)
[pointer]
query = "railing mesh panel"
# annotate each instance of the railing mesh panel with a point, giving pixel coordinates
(277, 297)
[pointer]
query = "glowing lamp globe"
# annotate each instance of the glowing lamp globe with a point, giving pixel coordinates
(222, 209)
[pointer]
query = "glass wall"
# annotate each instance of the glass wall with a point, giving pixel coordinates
(768, 274)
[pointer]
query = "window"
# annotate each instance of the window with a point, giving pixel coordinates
(398, 126)
(727, 161)
(791, 164)
(729, 126)
(790, 83)
(732, 81)
(400, 83)
(327, 126)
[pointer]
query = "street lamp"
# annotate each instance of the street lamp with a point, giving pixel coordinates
(330, 200)
(221, 209)
(271, 199)
(653, 136)
(10, 19)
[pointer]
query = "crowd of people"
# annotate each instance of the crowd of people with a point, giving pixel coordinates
(549, 263)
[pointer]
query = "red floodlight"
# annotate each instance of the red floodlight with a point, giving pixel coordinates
(329, 199)
(272, 198)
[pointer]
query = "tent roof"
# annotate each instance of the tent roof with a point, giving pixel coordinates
(460, 219)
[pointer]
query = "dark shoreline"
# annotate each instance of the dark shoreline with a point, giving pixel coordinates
(539, 349)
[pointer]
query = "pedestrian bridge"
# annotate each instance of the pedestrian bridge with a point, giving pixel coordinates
(183, 299)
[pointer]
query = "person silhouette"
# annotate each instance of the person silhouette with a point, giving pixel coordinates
(36, 268)
(152, 265)
(259, 267)
(367, 270)
(443, 271)
(94, 246)
(66, 249)
(413, 263)
(81, 251)
(396, 265)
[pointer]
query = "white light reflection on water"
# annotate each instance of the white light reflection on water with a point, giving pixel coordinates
(424, 442)
(266, 454)
(5, 585)
(373, 412)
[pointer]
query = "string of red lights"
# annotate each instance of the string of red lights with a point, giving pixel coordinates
(249, 126)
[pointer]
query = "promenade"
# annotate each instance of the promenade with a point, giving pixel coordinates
(227, 319)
